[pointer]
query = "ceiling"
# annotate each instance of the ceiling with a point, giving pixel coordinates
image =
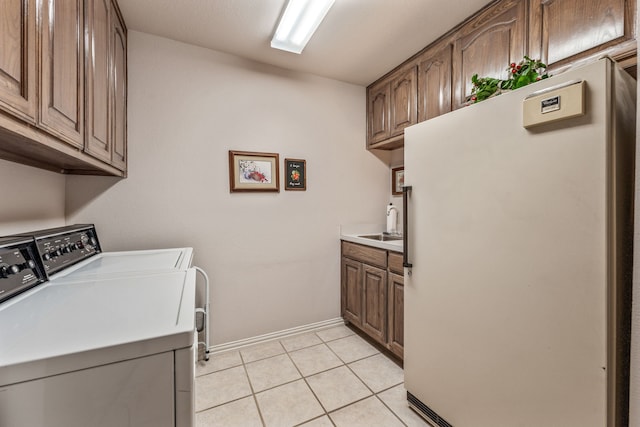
(358, 41)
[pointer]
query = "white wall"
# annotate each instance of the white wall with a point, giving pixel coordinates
(397, 160)
(273, 258)
(31, 198)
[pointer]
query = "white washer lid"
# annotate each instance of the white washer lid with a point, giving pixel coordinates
(66, 326)
(125, 262)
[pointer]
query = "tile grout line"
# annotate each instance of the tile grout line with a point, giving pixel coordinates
(288, 352)
(391, 410)
(253, 394)
(307, 383)
(374, 394)
(347, 366)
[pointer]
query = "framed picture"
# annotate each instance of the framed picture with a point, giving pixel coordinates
(397, 180)
(295, 174)
(249, 171)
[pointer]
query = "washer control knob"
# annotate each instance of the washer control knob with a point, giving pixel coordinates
(67, 249)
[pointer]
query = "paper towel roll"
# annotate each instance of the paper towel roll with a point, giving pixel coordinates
(392, 219)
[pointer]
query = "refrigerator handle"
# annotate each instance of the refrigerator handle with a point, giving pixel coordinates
(405, 226)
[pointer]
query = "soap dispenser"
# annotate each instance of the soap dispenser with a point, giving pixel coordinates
(392, 219)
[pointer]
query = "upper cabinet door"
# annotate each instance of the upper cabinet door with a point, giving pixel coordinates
(62, 70)
(119, 91)
(18, 58)
(564, 30)
(392, 106)
(378, 112)
(487, 45)
(98, 114)
(434, 83)
(404, 93)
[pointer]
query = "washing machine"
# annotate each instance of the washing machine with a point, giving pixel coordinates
(93, 338)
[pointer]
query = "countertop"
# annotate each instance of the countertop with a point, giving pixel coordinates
(350, 233)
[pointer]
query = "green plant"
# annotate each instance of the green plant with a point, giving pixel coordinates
(525, 72)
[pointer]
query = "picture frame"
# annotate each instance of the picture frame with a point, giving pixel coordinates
(295, 174)
(397, 180)
(254, 172)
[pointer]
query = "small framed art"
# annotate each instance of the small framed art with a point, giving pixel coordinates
(397, 180)
(295, 173)
(251, 171)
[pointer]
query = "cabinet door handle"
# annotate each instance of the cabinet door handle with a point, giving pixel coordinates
(406, 190)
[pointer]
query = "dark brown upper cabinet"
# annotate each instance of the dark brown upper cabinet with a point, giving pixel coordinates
(378, 105)
(18, 58)
(486, 46)
(404, 111)
(62, 70)
(392, 106)
(434, 82)
(98, 35)
(119, 91)
(63, 85)
(106, 83)
(563, 32)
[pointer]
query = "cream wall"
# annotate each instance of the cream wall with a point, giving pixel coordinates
(273, 258)
(31, 198)
(397, 160)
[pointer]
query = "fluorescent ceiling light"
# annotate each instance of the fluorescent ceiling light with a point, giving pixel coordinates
(298, 23)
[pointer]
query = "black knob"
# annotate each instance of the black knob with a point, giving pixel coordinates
(67, 249)
(57, 253)
(46, 256)
(29, 264)
(8, 270)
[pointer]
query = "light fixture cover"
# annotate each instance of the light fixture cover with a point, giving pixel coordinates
(299, 21)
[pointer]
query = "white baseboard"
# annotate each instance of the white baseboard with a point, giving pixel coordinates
(234, 345)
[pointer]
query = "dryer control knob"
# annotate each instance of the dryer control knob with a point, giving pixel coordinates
(30, 264)
(8, 270)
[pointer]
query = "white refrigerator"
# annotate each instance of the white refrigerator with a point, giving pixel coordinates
(518, 260)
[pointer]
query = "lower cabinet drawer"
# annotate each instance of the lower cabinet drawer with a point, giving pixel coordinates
(366, 254)
(395, 263)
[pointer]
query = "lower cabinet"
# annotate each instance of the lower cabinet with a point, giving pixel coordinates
(395, 309)
(351, 291)
(374, 302)
(372, 293)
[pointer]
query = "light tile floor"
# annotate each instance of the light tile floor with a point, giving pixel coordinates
(331, 377)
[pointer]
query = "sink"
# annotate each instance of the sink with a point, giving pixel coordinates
(381, 237)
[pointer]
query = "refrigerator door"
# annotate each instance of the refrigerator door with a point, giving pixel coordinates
(506, 311)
